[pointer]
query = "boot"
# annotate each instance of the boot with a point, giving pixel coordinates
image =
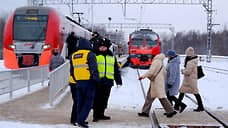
(103, 117)
(171, 114)
(176, 107)
(200, 104)
(143, 114)
(182, 107)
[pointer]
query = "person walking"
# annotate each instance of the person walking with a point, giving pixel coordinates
(71, 44)
(172, 79)
(189, 84)
(83, 69)
(156, 75)
(108, 72)
(148, 100)
(56, 60)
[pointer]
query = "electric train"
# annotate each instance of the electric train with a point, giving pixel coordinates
(32, 32)
(142, 44)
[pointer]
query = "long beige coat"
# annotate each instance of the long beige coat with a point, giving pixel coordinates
(157, 86)
(189, 84)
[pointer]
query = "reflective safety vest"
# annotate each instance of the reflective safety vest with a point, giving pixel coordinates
(80, 64)
(106, 66)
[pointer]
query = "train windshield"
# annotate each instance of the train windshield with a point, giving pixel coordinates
(137, 40)
(151, 40)
(30, 28)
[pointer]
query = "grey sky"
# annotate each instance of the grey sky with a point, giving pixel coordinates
(182, 17)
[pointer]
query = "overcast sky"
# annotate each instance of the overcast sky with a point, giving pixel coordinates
(182, 17)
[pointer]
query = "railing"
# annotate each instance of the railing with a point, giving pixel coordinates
(13, 80)
(58, 79)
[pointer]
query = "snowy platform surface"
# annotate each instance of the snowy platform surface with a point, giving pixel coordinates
(186, 118)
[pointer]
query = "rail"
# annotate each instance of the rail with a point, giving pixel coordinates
(217, 70)
(58, 80)
(222, 122)
(12, 80)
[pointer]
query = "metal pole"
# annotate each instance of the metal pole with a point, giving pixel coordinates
(144, 94)
(11, 85)
(28, 79)
(209, 29)
(72, 9)
(92, 1)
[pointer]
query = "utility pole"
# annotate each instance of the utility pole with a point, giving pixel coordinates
(78, 13)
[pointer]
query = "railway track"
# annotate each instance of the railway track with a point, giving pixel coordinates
(211, 114)
(217, 70)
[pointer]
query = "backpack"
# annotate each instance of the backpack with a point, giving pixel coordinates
(200, 73)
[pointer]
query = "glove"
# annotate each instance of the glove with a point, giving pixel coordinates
(169, 86)
(140, 78)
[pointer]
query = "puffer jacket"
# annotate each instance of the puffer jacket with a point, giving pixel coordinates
(157, 86)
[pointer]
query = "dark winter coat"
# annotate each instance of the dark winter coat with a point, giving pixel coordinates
(173, 76)
(92, 62)
(117, 75)
(71, 44)
(55, 62)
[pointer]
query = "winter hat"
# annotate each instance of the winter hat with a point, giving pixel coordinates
(155, 51)
(189, 51)
(105, 42)
(171, 53)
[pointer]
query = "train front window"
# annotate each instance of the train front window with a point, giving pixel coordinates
(30, 28)
(137, 40)
(151, 40)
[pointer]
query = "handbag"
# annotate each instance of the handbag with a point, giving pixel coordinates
(200, 73)
(154, 76)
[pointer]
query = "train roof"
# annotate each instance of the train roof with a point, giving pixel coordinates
(144, 31)
(33, 10)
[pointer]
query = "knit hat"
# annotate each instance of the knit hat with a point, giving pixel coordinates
(189, 51)
(105, 42)
(171, 53)
(155, 51)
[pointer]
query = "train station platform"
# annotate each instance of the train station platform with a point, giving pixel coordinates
(186, 119)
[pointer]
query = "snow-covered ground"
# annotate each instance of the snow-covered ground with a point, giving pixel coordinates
(213, 89)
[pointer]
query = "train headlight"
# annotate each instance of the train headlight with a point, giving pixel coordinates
(12, 46)
(46, 46)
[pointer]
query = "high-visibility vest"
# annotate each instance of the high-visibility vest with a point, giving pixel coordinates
(106, 66)
(80, 64)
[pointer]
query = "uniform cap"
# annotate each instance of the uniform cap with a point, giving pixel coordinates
(105, 42)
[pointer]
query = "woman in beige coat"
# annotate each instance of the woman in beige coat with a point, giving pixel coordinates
(189, 84)
(156, 74)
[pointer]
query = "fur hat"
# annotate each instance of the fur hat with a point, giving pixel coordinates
(171, 53)
(105, 42)
(189, 51)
